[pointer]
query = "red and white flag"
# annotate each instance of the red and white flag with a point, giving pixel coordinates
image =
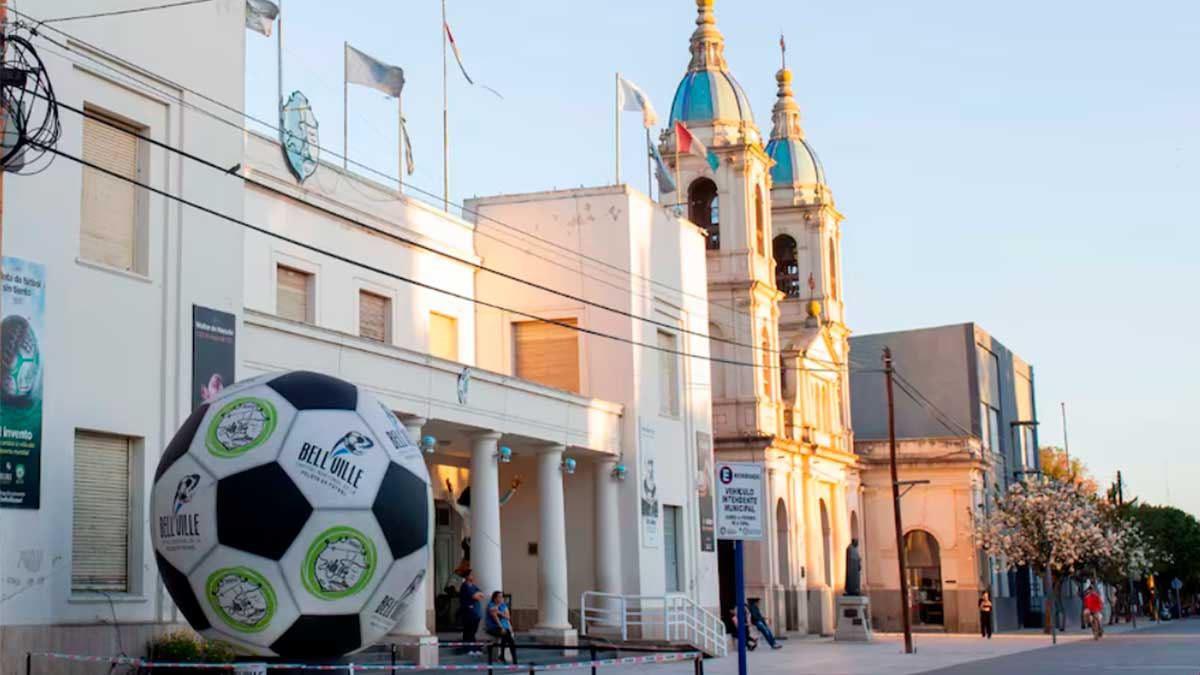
(458, 58)
(689, 144)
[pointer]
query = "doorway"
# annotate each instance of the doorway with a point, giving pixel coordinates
(924, 572)
(447, 553)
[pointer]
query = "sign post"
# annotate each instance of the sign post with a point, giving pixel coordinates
(740, 496)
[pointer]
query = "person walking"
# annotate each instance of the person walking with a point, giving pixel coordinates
(751, 643)
(469, 597)
(1094, 604)
(499, 625)
(760, 622)
(985, 615)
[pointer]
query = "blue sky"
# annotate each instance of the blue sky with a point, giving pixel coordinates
(1031, 166)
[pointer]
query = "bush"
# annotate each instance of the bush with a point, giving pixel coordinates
(185, 647)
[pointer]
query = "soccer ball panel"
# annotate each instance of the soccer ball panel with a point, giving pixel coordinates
(182, 440)
(394, 596)
(313, 636)
(184, 514)
(260, 511)
(394, 437)
(244, 596)
(181, 592)
(242, 430)
(334, 459)
(336, 562)
(314, 391)
(402, 508)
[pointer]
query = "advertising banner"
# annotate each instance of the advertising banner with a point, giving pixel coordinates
(213, 347)
(651, 511)
(704, 491)
(21, 333)
(740, 495)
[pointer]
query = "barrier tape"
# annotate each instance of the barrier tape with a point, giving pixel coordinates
(353, 667)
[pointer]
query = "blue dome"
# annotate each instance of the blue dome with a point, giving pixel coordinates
(795, 162)
(707, 95)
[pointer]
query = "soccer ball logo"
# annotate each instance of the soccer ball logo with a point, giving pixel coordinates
(21, 360)
(290, 517)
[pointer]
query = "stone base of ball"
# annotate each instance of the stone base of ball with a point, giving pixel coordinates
(853, 619)
(566, 637)
(420, 649)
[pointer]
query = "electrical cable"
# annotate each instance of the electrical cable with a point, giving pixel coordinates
(119, 12)
(428, 286)
(915, 394)
(434, 199)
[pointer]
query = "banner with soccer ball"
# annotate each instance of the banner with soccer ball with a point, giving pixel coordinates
(21, 335)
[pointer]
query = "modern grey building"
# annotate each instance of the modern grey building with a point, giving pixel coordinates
(966, 422)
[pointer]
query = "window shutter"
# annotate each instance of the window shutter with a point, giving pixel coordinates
(100, 531)
(109, 211)
(292, 293)
(668, 374)
(443, 336)
(373, 314)
(548, 353)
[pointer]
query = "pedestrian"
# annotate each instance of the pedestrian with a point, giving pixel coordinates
(985, 615)
(1094, 605)
(760, 622)
(499, 625)
(751, 643)
(469, 612)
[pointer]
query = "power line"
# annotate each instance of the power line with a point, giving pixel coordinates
(436, 199)
(118, 12)
(937, 413)
(341, 258)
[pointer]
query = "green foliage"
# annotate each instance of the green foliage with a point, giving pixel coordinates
(183, 646)
(1175, 536)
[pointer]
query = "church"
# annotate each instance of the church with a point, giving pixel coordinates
(775, 299)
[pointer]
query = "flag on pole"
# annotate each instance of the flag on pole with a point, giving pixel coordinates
(665, 182)
(691, 145)
(408, 158)
(261, 15)
(371, 72)
(458, 58)
(630, 97)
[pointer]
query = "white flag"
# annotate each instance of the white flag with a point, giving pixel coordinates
(261, 15)
(408, 158)
(629, 97)
(373, 73)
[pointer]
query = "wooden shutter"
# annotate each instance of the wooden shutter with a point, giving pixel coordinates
(373, 314)
(548, 353)
(100, 531)
(668, 374)
(109, 213)
(443, 336)
(292, 291)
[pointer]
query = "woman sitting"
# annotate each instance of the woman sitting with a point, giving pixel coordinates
(499, 624)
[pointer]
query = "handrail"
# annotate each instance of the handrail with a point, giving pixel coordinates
(673, 617)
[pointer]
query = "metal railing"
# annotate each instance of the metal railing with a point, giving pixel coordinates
(672, 618)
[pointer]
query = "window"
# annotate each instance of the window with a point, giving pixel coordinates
(760, 226)
(787, 271)
(989, 399)
(443, 336)
(100, 531)
(766, 363)
(293, 294)
(833, 271)
(703, 210)
(548, 353)
(668, 374)
(374, 316)
(111, 208)
(672, 527)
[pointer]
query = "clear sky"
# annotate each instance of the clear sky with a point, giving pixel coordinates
(1031, 166)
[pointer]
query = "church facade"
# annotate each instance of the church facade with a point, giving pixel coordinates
(774, 290)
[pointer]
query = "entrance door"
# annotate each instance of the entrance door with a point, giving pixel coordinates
(924, 572)
(671, 532)
(447, 553)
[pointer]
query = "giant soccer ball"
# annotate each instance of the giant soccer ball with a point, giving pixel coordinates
(290, 517)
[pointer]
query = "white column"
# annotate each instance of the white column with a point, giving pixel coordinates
(608, 528)
(552, 542)
(412, 632)
(485, 512)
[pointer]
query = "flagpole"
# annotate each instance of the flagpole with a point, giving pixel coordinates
(678, 179)
(649, 182)
(617, 116)
(445, 122)
(399, 146)
(345, 111)
(279, 58)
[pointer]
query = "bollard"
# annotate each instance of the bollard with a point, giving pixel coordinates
(489, 655)
(592, 652)
(393, 650)
(28, 663)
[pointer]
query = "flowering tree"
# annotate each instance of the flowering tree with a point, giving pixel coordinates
(1055, 463)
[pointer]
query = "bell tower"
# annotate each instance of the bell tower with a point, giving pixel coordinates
(730, 202)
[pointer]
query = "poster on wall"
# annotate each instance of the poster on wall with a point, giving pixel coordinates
(213, 343)
(704, 492)
(651, 521)
(21, 333)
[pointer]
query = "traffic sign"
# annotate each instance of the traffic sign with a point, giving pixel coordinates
(740, 497)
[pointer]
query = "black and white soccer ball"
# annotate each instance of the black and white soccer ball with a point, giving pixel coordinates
(290, 517)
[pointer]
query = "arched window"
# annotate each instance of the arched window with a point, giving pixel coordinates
(787, 271)
(703, 210)
(760, 227)
(833, 271)
(924, 570)
(766, 361)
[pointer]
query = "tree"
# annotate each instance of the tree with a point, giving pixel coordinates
(1175, 541)
(1056, 464)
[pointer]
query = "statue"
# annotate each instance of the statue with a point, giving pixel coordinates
(853, 569)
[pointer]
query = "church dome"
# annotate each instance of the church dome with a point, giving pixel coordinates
(796, 163)
(708, 91)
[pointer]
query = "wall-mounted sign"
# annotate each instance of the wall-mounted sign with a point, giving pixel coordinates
(214, 343)
(704, 491)
(740, 496)
(298, 136)
(22, 333)
(651, 508)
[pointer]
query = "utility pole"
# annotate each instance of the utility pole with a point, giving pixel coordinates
(1066, 448)
(900, 556)
(1128, 572)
